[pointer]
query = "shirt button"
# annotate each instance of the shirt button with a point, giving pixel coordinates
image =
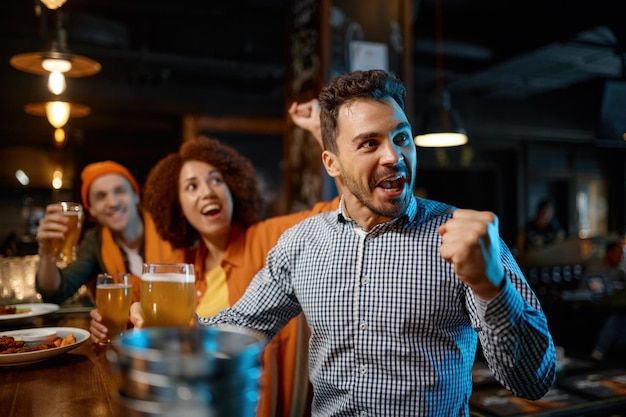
(363, 325)
(363, 369)
(365, 281)
(363, 414)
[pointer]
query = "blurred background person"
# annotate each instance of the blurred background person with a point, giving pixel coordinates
(544, 229)
(610, 265)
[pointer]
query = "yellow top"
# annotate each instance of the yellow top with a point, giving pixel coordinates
(215, 298)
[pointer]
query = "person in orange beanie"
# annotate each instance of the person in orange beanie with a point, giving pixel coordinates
(123, 239)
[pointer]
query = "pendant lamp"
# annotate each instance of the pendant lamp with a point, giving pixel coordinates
(441, 125)
(56, 60)
(57, 112)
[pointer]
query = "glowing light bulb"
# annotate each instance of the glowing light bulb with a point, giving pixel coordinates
(58, 113)
(56, 64)
(59, 136)
(57, 183)
(53, 4)
(57, 179)
(442, 139)
(56, 82)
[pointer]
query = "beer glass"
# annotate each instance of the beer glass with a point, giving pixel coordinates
(113, 298)
(167, 294)
(66, 249)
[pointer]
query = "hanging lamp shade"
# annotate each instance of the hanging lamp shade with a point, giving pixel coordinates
(33, 62)
(56, 56)
(57, 112)
(441, 125)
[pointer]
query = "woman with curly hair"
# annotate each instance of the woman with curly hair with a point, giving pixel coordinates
(205, 199)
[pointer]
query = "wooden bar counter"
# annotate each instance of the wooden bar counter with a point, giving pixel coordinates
(82, 383)
(77, 383)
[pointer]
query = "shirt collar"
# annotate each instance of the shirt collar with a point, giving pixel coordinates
(408, 217)
(419, 211)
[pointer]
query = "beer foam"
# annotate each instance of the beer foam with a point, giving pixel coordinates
(114, 285)
(168, 277)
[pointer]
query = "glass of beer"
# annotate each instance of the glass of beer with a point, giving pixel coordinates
(113, 298)
(167, 294)
(68, 247)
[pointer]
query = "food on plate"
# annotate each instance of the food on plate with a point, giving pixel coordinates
(14, 310)
(8, 344)
(69, 339)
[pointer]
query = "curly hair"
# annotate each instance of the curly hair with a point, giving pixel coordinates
(160, 194)
(344, 88)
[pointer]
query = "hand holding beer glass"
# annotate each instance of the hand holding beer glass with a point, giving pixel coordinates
(113, 298)
(167, 294)
(65, 250)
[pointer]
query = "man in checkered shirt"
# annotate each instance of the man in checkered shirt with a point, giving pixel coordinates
(397, 290)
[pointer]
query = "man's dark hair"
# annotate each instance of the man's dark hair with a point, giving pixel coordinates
(372, 84)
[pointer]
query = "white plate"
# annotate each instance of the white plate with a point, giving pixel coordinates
(26, 358)
(36, 310)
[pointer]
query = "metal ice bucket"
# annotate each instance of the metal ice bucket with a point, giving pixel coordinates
(188, 371)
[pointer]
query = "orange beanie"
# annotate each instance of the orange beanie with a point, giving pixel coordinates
(97, 169)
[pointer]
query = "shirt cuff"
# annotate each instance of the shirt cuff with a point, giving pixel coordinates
(501, 308)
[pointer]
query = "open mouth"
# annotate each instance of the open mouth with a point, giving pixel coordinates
(393, 184)
(118, 212)
(211, 210)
